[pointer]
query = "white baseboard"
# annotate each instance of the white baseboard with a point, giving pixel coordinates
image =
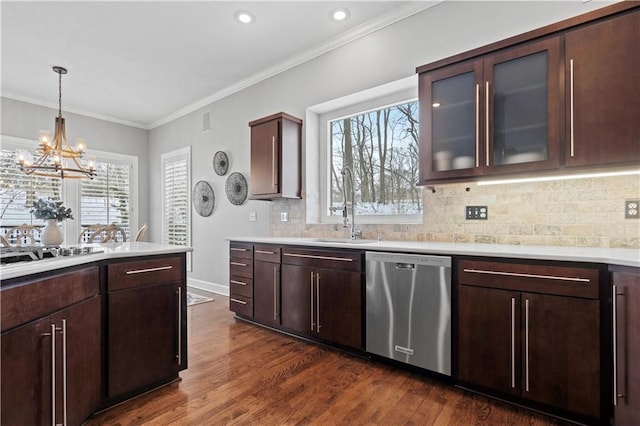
(207, 286)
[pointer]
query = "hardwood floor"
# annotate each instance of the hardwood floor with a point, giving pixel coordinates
(240, 373)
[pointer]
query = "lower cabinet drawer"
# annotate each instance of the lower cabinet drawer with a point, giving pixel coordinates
(241, 286)
(241, 305)
(240, 267)
(146, 272)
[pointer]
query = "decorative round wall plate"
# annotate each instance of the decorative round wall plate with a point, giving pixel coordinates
(204, 200)
(220, 163)
(236, 188)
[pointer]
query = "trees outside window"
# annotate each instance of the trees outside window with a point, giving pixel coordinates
(381, 148)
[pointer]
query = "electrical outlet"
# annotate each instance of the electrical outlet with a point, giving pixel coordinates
(632, 209)
(477, 213)
(253, 217)
(284, 216)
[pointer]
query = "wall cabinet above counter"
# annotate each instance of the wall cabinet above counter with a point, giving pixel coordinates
(562, 96)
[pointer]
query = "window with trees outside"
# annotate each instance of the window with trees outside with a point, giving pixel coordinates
(381, 148)
(176, 202)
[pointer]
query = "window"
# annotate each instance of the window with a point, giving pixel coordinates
(380, 146)
(106, 198)
(176, 209)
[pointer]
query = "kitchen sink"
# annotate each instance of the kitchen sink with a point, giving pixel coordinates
(342, 241)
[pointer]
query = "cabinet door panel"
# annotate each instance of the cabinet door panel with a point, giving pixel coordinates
(264, 158)
(84, 372)
(142, 344)
(489, 338)
(339, 301)
(603, 103)
(266, 292)
(26, 375)
(296, 298)
(561, 355)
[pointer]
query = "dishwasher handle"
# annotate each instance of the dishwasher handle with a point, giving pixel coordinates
(403, 261)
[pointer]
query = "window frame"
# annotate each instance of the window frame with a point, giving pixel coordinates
(346, 109)
(172, 156)
(71, 188)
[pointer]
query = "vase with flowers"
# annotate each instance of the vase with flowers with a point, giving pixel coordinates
(53, 212)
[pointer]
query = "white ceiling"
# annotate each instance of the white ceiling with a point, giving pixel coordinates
(144, 63)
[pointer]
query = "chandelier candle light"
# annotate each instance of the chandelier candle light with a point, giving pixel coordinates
(57, 159)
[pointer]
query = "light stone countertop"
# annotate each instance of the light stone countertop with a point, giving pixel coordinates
(611, 256)
(110, 251)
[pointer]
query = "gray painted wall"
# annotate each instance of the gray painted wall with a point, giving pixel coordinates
(387, 55)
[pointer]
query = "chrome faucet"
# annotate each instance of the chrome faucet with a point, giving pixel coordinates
(354, 233)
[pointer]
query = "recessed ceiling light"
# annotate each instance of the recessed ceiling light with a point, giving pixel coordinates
(244, 17)
(339, 14)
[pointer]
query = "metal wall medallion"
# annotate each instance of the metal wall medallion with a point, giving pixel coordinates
(236, 188)
(204, 200)
(220, 163)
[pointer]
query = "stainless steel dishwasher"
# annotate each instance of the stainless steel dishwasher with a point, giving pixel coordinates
(408, 305)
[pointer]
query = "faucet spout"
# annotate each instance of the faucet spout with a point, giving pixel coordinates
(354, 233)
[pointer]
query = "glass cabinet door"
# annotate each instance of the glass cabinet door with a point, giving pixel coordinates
(523, 110)
(450, 121)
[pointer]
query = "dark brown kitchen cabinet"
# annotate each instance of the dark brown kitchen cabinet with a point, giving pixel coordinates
(146, 322)
(276, 157)
(322, 295)
(491, 115)
(241, 278)
(603, 92)
(266, 284)
(626, 345)
(532, 332)
(58, 352)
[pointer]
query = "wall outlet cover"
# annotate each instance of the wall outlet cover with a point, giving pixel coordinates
(477, 212)
(284, 216)
(253, 217)
(632, 209)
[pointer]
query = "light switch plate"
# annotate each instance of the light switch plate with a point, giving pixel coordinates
(253, 217)
(477, 212)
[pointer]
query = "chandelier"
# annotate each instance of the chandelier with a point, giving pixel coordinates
(56, 158)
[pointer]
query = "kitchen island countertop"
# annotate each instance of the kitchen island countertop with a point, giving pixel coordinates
(110, 251)
(611, 256)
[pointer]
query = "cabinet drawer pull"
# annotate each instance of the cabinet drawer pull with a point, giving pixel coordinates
(526, 345)
(238, 249)
(517, 274)
(238, 282)
(53, 373)
(64, 372)
(318, 302)
(616, 395)
(238, 264)
(312, 301)
(242, 302)
(273, 161)
(310, 256)
(513, 342)
(264, 252)
(142, 271)
(179, 355)
(275, 293)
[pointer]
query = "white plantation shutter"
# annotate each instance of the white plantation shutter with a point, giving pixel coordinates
(106, 198)
(18, 191)
(176, 184)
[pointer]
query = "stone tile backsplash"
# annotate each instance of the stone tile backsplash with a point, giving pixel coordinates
(576, 213)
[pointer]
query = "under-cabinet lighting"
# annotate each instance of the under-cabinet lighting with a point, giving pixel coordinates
(553, 178)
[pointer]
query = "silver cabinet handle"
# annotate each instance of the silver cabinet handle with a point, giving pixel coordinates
(312, 302)
(616, 395)
(238, 264)
(143, 271)
(477, 125)
(64, 372)
(179, 355)
(238, 282)
(53, 373)
(571, 133)
(526, 345)
(310, 256)
(264, 252)
(273, 161)
(275, 293)
(318, 302)
(486, 120)
(513, 342)
(517, 274)
(238, 249)
(242, 302)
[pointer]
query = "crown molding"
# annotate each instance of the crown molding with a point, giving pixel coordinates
(369, 27)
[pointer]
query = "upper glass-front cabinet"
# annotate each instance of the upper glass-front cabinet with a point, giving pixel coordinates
(497, 114)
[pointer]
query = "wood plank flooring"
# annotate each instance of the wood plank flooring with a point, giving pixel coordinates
(241, 374)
